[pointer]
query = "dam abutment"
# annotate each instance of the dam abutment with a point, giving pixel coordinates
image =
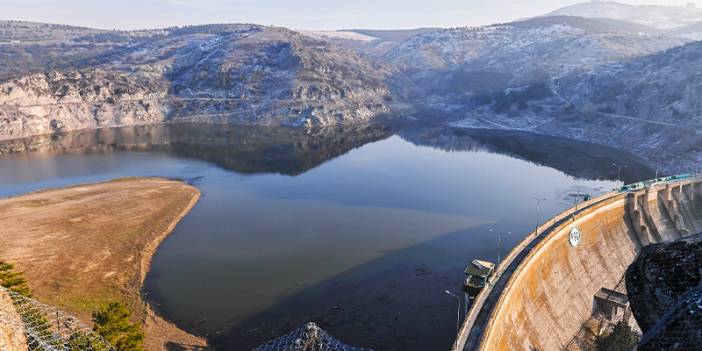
(545, 290)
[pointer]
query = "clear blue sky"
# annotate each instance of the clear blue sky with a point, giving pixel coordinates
(295, 14)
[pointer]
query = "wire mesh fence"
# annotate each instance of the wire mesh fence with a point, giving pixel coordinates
(309, 337)
(26, 324)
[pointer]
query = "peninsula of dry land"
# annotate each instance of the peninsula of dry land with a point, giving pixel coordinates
(83, 246)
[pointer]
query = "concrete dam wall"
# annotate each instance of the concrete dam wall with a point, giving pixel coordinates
(544, 290)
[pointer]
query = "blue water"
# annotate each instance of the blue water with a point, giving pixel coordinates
(360, 231)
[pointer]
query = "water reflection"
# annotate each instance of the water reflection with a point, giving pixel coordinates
(243, 149)
(578, 159)
(293, 151)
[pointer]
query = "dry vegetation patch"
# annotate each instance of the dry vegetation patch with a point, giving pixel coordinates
(85, 245)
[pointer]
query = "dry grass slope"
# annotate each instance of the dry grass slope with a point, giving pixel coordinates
(85, 245)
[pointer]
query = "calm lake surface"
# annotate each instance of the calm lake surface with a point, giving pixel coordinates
(357, 229)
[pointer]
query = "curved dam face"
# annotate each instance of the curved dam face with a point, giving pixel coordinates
(545, 288)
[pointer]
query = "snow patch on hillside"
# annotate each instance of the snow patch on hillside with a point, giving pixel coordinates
(339, 35)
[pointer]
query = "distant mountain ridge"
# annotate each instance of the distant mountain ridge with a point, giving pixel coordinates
(25, 31)
(592, 25)
(662, 17)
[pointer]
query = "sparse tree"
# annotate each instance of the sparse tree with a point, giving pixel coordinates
(621, 338)
(112, 323)
(13, 280)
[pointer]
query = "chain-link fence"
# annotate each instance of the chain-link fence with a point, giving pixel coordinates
(309, 337)
(26, 324)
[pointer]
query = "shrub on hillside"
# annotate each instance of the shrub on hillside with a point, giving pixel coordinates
(13, 280)
(621, 338)
(112, 323)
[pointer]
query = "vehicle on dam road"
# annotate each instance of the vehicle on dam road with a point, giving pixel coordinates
(478, 275)
(658, 181)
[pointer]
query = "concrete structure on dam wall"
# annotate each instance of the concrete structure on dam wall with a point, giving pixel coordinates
(545, 289)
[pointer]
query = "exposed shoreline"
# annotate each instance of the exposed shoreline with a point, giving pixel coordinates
(150, 249)
(77, 246)
(152, 320)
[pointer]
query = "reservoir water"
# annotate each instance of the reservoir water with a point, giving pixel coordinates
(359, 229)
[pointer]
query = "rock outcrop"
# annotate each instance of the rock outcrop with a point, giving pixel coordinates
(58, 101)
(664, 286)
(11, 332)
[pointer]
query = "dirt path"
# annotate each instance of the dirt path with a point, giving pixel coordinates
(83, 246)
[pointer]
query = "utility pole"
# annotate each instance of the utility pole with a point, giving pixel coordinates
(499, 246)
(538, 213)
(619, 172)
(575, 203)
(458, 315)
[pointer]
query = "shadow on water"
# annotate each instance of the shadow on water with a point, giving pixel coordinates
(578, 159)
(395, 302)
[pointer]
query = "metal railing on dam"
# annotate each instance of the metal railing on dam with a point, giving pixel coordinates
(544, 289)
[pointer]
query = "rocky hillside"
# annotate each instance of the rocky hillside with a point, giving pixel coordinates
(664, 87)
(649, 106)
(459, 67)
(44, 103)
(213, 73)
(277, 76)
(664, 286)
